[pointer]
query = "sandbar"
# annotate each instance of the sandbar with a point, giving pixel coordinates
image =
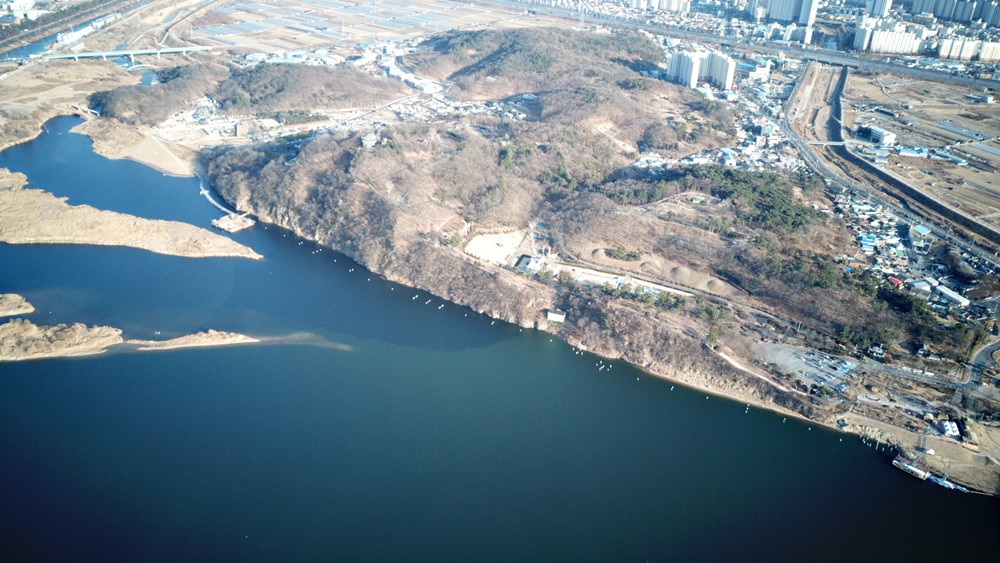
(37, 217)
(12, 304)
(208, 338)
(20, 339)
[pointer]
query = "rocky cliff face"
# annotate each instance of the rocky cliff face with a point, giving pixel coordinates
(363, 226)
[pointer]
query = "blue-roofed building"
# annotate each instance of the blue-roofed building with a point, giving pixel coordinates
(918, 152)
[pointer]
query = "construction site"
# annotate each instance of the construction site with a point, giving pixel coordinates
(931, 146)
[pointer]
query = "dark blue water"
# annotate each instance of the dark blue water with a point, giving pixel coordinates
(413, 432)
(34, 48)
(39, 46)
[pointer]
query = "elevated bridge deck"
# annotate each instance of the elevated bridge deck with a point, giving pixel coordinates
(131, 54)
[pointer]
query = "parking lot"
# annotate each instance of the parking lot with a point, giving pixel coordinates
(810, 366)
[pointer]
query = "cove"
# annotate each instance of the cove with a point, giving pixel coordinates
(416, 432)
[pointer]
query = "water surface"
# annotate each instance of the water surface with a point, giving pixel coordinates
(425, 433)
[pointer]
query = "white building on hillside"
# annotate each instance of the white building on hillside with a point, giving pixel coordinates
(690, 67)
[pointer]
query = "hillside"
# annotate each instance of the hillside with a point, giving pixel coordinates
(583, 79)
(283, 88)
(758, 255)
(405, 207)
(286, 91)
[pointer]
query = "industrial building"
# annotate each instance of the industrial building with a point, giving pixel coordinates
(952, 297)
(880, 136)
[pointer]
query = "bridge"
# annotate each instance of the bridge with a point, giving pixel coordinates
(85, 110)
(131, 54)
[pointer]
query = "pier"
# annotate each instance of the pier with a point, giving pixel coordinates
(233, 221)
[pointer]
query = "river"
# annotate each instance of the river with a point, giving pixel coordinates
(396, 429)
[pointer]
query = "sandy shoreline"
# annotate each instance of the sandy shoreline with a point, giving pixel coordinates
(21, 339)
(115, 140)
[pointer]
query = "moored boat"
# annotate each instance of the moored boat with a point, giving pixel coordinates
(944, 482)
(910, 467)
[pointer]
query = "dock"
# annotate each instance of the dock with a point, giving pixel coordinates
(233, 222)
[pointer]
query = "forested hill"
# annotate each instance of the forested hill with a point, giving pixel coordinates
(281, 90)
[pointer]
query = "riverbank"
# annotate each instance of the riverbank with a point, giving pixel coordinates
(36, 217)
(35, 93)
(116, 140)
(665, 351)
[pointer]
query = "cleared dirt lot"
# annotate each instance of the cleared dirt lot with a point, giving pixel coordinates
(945, 121)
(938, 116)
(809, 113)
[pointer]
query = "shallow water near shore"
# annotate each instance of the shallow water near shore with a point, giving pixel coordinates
(428, 432)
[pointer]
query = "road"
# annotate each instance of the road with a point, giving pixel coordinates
(570, 262)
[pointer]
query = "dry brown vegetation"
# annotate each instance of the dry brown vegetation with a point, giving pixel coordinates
(150, 105)
(580, 79)
(262, 89)
(290, 87)
(20, 339)
(30, 96)
(756, 239)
